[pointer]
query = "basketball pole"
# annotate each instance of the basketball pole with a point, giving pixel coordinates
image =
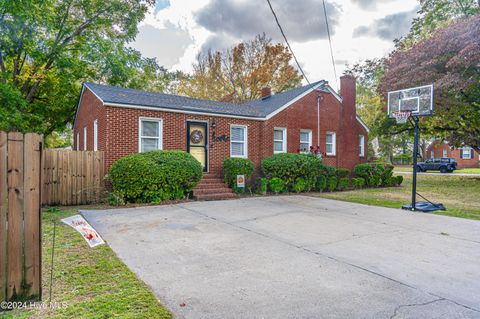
(415, 155)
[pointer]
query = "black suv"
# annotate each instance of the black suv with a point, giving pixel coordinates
(444, 165)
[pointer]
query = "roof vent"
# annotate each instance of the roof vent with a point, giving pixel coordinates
(266, 93)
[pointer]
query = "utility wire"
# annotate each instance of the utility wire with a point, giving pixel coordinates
(288, 44)
(330, 42)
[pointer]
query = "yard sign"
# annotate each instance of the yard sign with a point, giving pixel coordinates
(83, 227)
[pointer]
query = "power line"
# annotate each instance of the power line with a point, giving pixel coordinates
(288, 44)
(330, 42)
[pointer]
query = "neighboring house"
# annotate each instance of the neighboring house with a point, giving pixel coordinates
(122, 121)
(466, 156)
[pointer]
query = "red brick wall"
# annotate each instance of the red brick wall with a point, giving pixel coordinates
(119, 127)
(437, 147)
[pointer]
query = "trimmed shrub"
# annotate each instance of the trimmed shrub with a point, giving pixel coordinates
(399, 180)
(371, 172)
(321, 184)
(343, 183)
(343, 172)
(262, 186)
(155, 176)
(374, 181)
(389, 182)
(277, 185)
(234, 166)
(327, 170)
(358, 182)
(289, 167)
(387, 174)
(300, 185)
(332, 183)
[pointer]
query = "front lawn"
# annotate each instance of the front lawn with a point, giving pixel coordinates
(92, 282)
(459, 194)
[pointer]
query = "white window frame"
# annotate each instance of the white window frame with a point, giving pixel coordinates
(78, 141)
(85, 138)
(445, 153)
(245, 140)
(303, 142)
(160, 131)
(284, 140)
(334, 144)
(466, 149)
(432, 154)
(95, 135)
(362, 145)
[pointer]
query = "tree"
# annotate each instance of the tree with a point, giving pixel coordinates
(48, 47)
(238, 74)
(449, 58)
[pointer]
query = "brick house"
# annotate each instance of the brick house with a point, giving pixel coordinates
(466, 156)
(122, 121)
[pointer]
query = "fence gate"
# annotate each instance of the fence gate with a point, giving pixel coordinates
(72, 177)
(20, 235)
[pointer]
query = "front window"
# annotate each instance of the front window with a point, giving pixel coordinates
(331, 143)
(280, 140)
(238, 141)
(85, 138)
(95, 135)
(361, 141)
(467, 152)
(444, 153)
(150, 135)
(305, 140)
(432, 154)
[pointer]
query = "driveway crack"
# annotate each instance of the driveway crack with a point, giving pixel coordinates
(395, 312)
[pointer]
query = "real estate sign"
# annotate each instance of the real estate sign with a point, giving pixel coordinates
(83, 227)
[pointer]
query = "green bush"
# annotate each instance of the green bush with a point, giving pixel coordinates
(358, 182)
(374, 181)
(289, 167)
(277, 185)
(155, 176)
(372, 173)
(399, 180)
(387, 174)
(115, 199)
(343, 172)
(262, 186)
(321, 184)
(327, 170)
(300, 185)
(332, 183)
(234, 166)
(343, 183)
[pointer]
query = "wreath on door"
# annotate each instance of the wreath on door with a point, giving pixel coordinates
(196, 136)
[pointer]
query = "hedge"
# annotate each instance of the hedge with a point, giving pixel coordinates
(277, 185)
(289, 167)
(358, 182)
(155, 176)
(332, 183)
(343, 172)
(343, 183)
(234, 166)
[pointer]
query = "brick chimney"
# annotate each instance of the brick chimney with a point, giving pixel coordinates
(266, 93)
(348, 124)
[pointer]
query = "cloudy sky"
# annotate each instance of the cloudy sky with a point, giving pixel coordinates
(175, 31)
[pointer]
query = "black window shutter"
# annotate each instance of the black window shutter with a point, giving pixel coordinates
(471, 153)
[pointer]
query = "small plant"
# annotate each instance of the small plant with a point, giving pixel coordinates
(358, 182)
(343, 172)
(332, 183)
(399, 180)
(115, 199)
(262, 186)
(234, 166)
(343, 183)
(321, 184)
(300, 185)
(277, 185)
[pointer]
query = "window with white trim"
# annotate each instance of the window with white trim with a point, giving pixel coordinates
(361, 146)
(305, 140)
(466, 153)
(85, 138)
(331, 143)
(432, 154)
(95, 135)
(150, 133)
(445, 154)
(279, 140)
(78, 141)
(238, 141)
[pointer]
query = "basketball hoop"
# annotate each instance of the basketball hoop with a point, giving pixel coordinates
(401, 116)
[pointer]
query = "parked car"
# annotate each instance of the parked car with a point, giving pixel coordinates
(443, 164)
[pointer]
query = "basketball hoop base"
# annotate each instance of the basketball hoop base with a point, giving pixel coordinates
(425, 207)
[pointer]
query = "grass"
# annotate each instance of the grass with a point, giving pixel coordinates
(458, 171)
(459, 194)
(92, 282)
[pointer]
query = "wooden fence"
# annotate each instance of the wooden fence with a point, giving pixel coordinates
(20, 235)
(72, 177)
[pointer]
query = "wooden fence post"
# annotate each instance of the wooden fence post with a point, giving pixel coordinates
(3, 215)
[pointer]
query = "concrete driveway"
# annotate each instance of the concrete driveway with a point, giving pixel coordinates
(299, 257)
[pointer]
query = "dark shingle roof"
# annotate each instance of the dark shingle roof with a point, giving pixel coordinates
(260, 108)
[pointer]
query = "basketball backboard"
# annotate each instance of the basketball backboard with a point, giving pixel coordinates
(418, 101)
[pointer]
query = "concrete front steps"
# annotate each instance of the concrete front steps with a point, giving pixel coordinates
(212, 187)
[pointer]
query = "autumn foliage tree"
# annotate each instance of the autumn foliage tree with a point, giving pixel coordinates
(238, 74)
(449, 58)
